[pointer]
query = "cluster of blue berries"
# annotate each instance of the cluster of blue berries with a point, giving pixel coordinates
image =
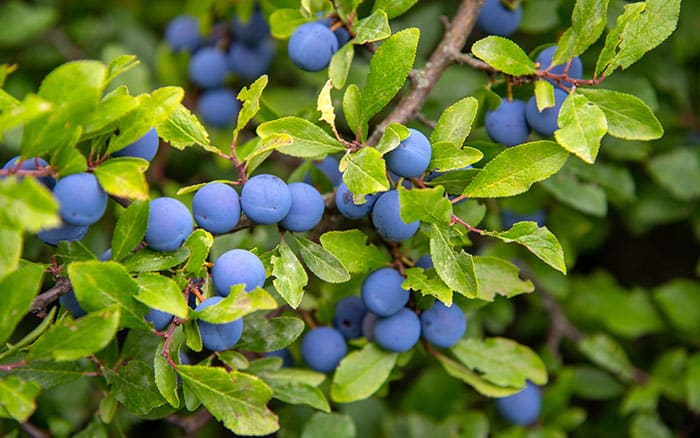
(247, 54)
(381, 315)
(511, 121)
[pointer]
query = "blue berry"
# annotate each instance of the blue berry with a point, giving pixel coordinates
(169, 224)
(208, 68)
(250, 62)
(349, 313)
(545, 60)
(523, 407)
(443, 326)
(252, 31)
(70, 302)
(218, 337)
(495, 18)
(306, 209)
(398, 332)
(387, 220)
(346, 205)
(182, 33)
(218, 107)
(266, 199)
(237, 266)
(31, 164)
(382, 293)
(159, 319)
(545, 121)
(425, 261)
(67, 232)
(411, 158)
(507, 124)
(323, 348)
(216, 208)
(81, 198)
(311, 46)
(145, 147)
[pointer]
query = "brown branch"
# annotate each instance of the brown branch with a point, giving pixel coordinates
(34, 431)
(41, 302)
(452, 42)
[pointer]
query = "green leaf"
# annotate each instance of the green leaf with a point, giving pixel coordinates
(427, 205)
(32, 107)
(680, 301)
(388, 71)
(504, 55)
(678, 171)
(98, 285)
(351, 248)
(693, 382)
(361, 373)
(364, 172)
(130, 229)
(18, 397)
(501, 361)
(582, 126)
(499, 276)
(124, 177)
(374, 27)
(283, 22)
(262, 334)
(290, 276)
(605, 352)
(165, 377)
(72, 339)
(459, 371)
(351, 107)
(182, 129)
(199, 243)
(19, 289)
(20, 21)
(236, 305)
(427, 282)
(109, 111)
(587, 24)
(147, 260)
(308, 140)
(299, 394)
(50, 374)
(448, 156)
(394, 8)
(320, 261)
(162, 293)
(454, 181)
(340, 64)
(237, 399)
(120, 65)
(514, 170)
(134, 386)
(324, 425)
(455, 268)
(642, 27)
(27, 205)
(324, 104)
(649, 425)
(455, 123)
(583, 196)
(544, 95)
(392, 136)
(193, 338)
(628, 116)
(538, 240)
(250, 96)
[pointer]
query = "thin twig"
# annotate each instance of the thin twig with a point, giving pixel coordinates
(452, 42)
(41, 302)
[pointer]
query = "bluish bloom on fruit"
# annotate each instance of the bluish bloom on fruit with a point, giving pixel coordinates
(218, 337)
(208, 68)
(145, 147)
(443, 326)
(218, 107)
(523, 407)
(250, 32)
(386, 217)
(329, 167)
(284, 354)
(425, 261)
(250, 62)
(412, 156)
(545, 60)
(311, 46)
(70, 302)
(507, 124)
(169, 224)
(31, 164)
(182, 33)
(216, 207)
(67, 232)
(81, 198)
(398, 332)
(495, 18)
(266, 199)
(382, 293)
(346, 205)
(349, 314)
(237, 266)
(306, 209)
(159, 319)
(323, 348)
(545, 122)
